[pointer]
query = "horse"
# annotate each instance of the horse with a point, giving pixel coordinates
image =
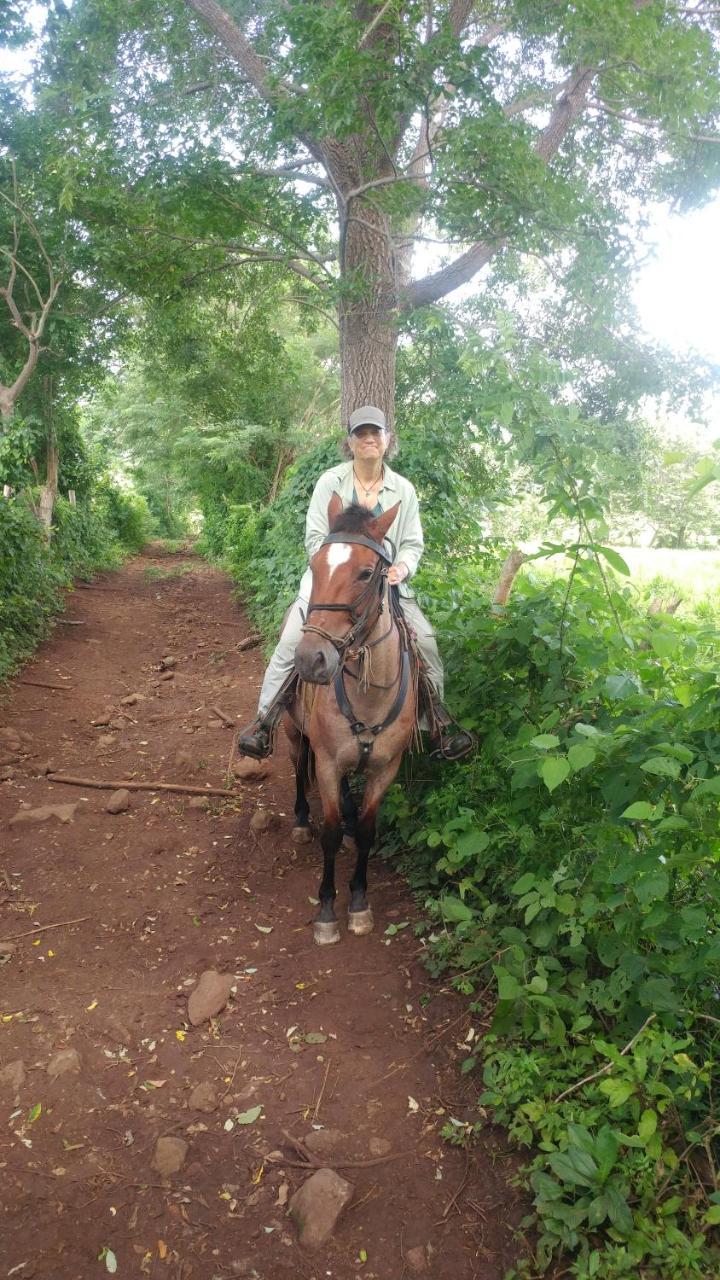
(355, 708)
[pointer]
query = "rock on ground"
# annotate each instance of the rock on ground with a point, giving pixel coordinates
(317, 1205)
(322, 1142)
(250, 770)
(261, 820)
(379, 1146)
(209, 996)
(119, 801)
(12, 1077)
(63, 813)
(203, 1097)
(169, 1155)
(67, 1060)
(199, 802)
(416, 1259)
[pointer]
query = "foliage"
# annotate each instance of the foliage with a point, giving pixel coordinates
(573, 866)
(33, 573)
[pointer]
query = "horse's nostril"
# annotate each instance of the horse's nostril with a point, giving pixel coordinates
(319, 665)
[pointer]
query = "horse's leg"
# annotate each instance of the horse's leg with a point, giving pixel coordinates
(360, 916)
(326, 926)
(299, 755)
(349, 816)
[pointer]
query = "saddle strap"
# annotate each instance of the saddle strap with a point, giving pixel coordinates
(358, 726)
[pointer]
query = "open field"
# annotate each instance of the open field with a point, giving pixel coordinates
(693, 574)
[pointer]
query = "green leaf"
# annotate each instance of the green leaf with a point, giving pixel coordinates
(712, 1217)
(639, 810)
(653, 886)
(472, 842)
(580, 755)
(662, 766)
(508, 986)
(248, 1117)
(522, 885)
(614, 559)
(34, 1113)
(664, 643)
(617, 1092)
(545, 741)
(709, 787)
(647, 1125)
(110, 1261)
(554, 770)
(606, 1148)
(574, 1166)
(455, 910)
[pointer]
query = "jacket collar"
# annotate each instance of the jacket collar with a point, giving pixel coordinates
(345, 473)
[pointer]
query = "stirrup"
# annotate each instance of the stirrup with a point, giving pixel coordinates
(256, 741)
(453, 746)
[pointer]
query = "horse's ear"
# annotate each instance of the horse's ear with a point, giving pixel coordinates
(335, 508)
(381, 524)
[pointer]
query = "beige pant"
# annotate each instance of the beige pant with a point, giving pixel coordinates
(282, 661)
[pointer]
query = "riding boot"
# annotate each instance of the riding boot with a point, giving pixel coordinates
(448, 740)
(258, 739)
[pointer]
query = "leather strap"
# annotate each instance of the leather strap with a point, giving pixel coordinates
(358, 727)
(361, 540)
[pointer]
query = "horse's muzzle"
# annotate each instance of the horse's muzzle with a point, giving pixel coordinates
(316, 660)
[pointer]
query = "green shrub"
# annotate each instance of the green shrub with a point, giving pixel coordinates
(86, 538)
(30, 584)
(572, 870)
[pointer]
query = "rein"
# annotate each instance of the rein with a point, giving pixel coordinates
(362, 619)
(361, 614)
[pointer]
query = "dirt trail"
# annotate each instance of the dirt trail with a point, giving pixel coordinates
(356, 1038)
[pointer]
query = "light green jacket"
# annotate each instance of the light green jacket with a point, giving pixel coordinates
(405, 532)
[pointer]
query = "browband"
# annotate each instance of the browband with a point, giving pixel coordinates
(362, 540)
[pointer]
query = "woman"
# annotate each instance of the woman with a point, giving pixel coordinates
(367, 480)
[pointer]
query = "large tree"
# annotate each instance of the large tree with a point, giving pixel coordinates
(339, 138)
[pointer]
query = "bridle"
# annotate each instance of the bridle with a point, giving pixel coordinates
(365, 611)
(368, 605)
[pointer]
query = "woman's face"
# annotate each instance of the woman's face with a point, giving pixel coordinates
(369, 444)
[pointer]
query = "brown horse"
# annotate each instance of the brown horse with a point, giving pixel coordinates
(361, 714)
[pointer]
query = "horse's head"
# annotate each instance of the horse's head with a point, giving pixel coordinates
(348, 590)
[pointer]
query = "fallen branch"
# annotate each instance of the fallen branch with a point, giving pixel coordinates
(310, 1163)
(223, 715)
(250, 642)
(43, 928)
(609, 1065)
(67, 622)
(512, 564)
(42, 684)
(142, 786)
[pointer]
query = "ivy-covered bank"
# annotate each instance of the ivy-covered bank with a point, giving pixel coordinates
(34, 571)
(571, 872)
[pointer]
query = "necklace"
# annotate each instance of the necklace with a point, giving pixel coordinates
(369, 488)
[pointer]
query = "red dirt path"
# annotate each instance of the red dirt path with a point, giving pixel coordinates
(169, 891)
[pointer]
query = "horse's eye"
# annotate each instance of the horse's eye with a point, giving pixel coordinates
(365, 575)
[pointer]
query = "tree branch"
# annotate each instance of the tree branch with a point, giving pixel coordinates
(598, 104)
(568, 106)
(293, 174)
(240, 49)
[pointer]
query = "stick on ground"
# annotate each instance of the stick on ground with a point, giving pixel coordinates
(129, 785)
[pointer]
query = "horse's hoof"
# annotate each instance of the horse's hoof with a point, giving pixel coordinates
(326, 932)
(301, 835)
(349, 844)
(360, 922)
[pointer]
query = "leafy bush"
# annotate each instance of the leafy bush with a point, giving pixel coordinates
(86, 538)
(573, 866)
(30, 584)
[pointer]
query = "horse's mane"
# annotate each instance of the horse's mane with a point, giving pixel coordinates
(354, 519)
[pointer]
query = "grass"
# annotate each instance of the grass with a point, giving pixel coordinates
(693, 575)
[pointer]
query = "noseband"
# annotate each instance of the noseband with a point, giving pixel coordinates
(361, 612)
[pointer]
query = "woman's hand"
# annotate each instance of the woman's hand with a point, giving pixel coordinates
(398, 573)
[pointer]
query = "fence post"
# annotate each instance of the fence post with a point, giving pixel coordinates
(71, 497)
(7, 491)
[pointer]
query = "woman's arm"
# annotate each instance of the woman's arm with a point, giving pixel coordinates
(317, 526)
(412, 543)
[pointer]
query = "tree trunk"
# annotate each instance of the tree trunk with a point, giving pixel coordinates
(48, 493)
(367, 312)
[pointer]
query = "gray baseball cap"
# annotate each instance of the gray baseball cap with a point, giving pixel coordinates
(366, 416)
